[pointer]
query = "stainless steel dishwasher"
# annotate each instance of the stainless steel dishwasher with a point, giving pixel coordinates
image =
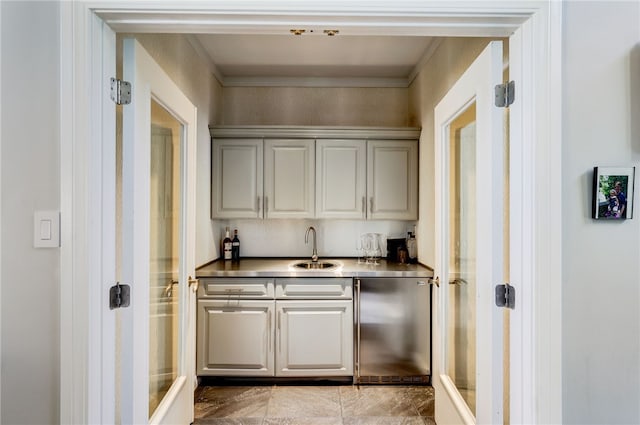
(392, 331)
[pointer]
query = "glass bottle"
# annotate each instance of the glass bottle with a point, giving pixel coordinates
(235, 247)
(412, 247)
(226, 246)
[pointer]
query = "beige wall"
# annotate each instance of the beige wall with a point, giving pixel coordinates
(271, 106)
(393, 107)
(447, 64)
(323, 106)
(315, 106)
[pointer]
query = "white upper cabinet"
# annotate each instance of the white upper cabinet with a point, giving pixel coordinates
(237, 178)
(375, 179)
(289, 178)
(392, 179)
(315, 172)
(341, 173)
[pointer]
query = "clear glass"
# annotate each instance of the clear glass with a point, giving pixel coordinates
(371, 245)
(461, 308)
(164, 261)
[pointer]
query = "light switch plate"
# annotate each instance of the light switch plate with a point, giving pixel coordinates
(46, 229)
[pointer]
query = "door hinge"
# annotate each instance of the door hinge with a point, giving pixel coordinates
(506, 296)
(119, 296)
(120, 91)
(505, 94)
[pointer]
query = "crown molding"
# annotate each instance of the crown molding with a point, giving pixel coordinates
(314, 82)
(315, 132)
(374, 17)
(202, 53)
(426, 57)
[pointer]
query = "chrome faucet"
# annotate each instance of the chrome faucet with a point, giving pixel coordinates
(314, 253)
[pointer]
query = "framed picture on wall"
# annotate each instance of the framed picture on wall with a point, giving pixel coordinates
(613, 193)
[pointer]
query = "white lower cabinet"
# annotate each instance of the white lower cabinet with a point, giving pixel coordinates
(304, 330)
(235, 337)
(314, 338)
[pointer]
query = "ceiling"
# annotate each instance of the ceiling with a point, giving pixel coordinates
(314, 58)
(377, 44)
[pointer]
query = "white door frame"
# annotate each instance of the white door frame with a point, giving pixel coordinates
(87, 385)
(87, 253)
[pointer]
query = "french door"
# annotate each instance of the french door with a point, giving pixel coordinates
(470, 182)
(157, 331)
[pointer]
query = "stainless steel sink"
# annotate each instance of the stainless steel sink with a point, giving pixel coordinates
(314, 265)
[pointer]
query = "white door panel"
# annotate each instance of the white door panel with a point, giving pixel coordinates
(468, 333)
(158, 198)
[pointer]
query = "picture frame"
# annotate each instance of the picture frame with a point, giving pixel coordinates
(613, 189)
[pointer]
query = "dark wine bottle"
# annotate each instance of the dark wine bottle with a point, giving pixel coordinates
(235, 246)
(226, 246)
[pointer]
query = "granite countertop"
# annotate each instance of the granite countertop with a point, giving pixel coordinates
(284, 267)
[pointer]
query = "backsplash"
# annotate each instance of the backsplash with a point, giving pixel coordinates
(285, 238)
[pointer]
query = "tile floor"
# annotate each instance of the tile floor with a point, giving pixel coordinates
(314, 405)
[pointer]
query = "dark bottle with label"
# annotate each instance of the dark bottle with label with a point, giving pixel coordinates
(226, 246)
(235, 247)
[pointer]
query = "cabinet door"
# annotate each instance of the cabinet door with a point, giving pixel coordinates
(341, 172)
(392, 179)
(235, 338)
(236, 178)
(289, 183)
(314, 338)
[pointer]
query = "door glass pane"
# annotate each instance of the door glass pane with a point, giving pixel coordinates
(461, 308)
(164, 261)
